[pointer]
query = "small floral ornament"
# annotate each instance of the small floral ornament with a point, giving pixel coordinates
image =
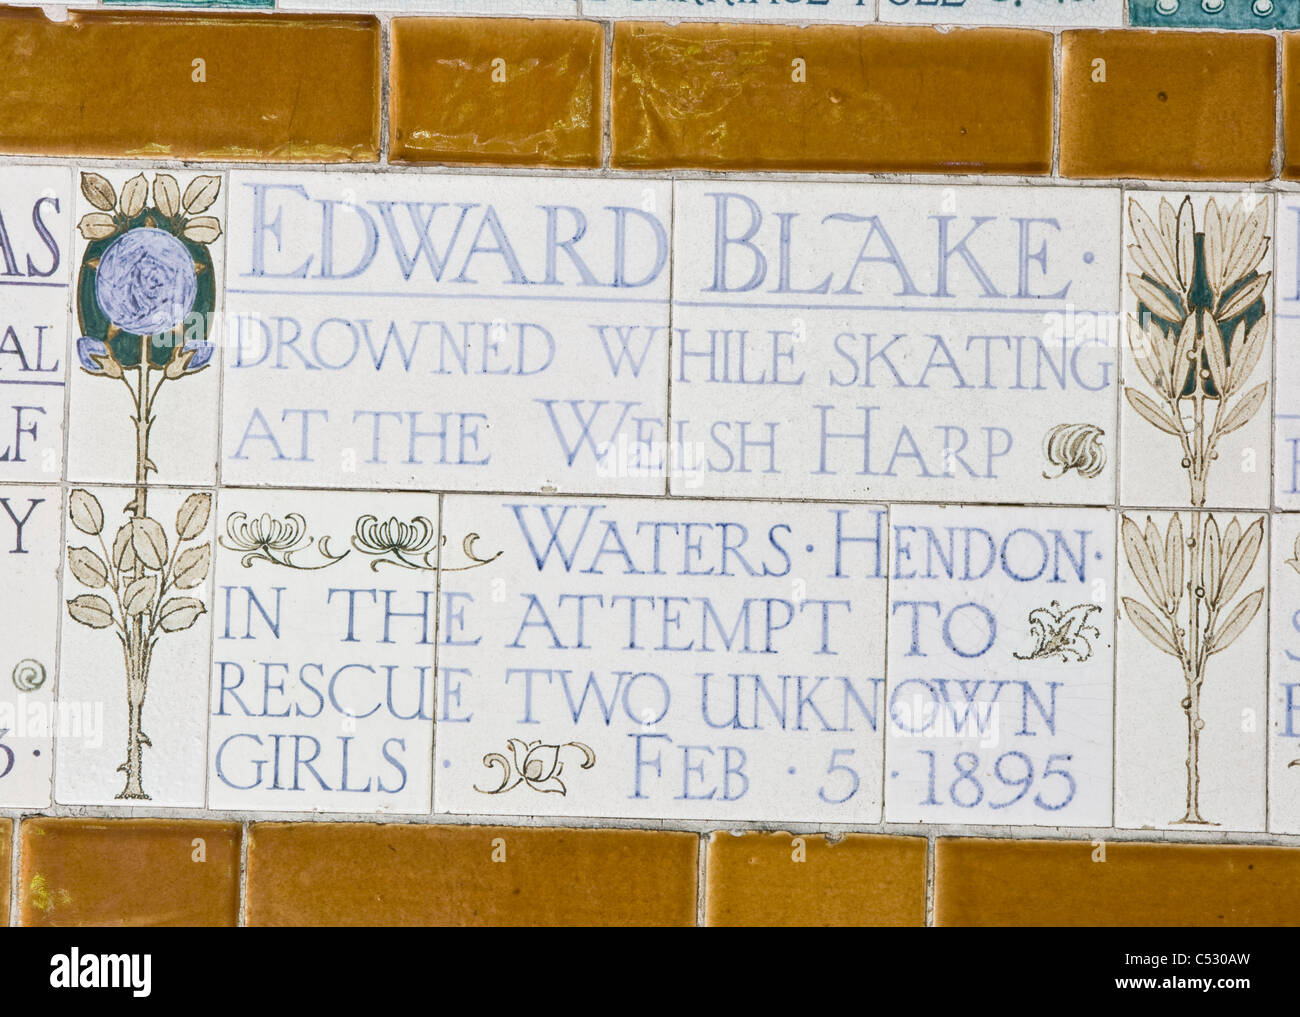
(535, 764)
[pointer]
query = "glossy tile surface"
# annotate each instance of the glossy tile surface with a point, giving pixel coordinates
(135, 647)
(36, 217)
(761, 879)
(149, 326)
(322, 653)
(919, 343)
(468, 875)
(774, 97)
(508, 91)
(1284, 677)
(446, 333)
(247, 87)
(1286, 367)
(659, 658)
(1005, 882)
(1167, 105)
(734, 11)
(1191, 665)
(1259, 15)
(129, 872)
(1000, 668)
(1197, 293)
(1029, 13)
(30, 560)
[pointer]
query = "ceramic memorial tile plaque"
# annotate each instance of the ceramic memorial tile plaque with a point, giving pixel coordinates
(1029, 13)
(1198, 315)
(1000, 666)
(143, 406)
(1191, 671)
(1286, 366)
(29, 571)
(1284, 677)
(447, 332)
(894, 342)
(35, 270)
(651, 658)
(322, 659)
(134, 646)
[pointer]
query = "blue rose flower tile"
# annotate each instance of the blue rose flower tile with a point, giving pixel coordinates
(147, 315)
(323, 636)
(135, 647)
(36, 218)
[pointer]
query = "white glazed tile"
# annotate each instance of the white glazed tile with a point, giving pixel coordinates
(1284, 677)
(1029, 13)
(737, 11)
(99, 626)
(580, 656)
(824, 346)
(1000, 666)
(35, 271)
(1228, 464)
(323, 645)
(29, 576)
(1152, 785)
(154, 283)
(1286, 467)
(522, 347)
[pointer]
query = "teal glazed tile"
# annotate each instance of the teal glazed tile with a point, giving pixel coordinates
(1260, 15)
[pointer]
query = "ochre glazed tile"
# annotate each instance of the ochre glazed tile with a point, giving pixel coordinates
(129, 872)
(6, 839)
(468, 875)
(832, 98)
(1008, 882)
(780, 879)
(1291, 106)
(505, 91)
(209, 86)
(1167, 105)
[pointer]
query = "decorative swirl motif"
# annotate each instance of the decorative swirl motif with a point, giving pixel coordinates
(266, 538)
(1075, 447)
(535, 764)
(29, 675)
(467, 545)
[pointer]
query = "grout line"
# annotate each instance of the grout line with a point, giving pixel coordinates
(931, 857)
(385, 91)
(607, 101)
(15, 872)
(701, 880)
(243, 873)
(1058, 97)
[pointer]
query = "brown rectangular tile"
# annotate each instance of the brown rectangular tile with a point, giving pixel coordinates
(1291, 106)
(1011, 882)
(201, 86)
(129, 872)
(782, 879)
(832, 98)
(400, 874)
(506, 91)
(1168, 105)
